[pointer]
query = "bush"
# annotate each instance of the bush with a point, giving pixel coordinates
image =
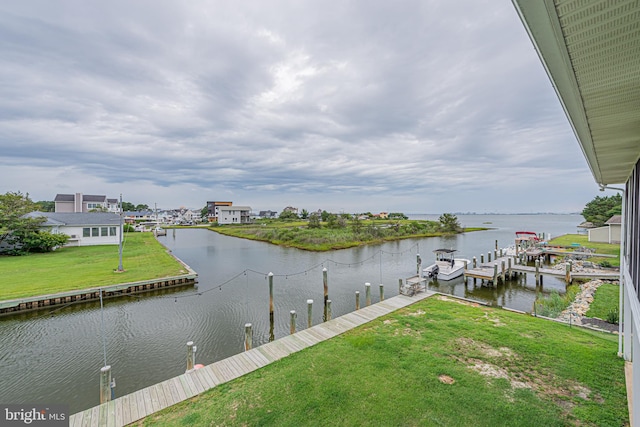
(613, 316)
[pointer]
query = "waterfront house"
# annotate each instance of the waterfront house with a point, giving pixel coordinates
(79, 202)
(213, 210)
(609, 233)
(590, 51)
(234, 215)
(83, 229)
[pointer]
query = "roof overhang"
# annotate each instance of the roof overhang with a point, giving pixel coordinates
(591, 53)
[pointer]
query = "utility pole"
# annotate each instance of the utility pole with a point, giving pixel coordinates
(120, 268)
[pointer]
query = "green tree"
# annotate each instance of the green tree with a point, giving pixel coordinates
(204, 213)
(601, 208)
(304, 214)
(397, 215)
(288, 215)
(46, 206)
(20, 233)
(314, 220)
(324, 215)
(127, 206)
(449, 223)
(142, 207)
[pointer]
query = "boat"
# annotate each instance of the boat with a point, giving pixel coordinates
(446, 267)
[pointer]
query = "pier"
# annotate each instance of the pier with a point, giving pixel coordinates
(142, 403)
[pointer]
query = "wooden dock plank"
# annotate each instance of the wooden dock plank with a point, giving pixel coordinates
(153, 399)
(188, 385)
(119, 412)
(238, 369)
(248, 362)
(168, 395)
(222, 371)
(126, 409)
(204, 379)
(293, 344)
(179, 389)
(195, 380)
(162, 402)
(214, 378)
(146, 402)
(95, 416)
(111, 414)
(258, 357)
(75, 420)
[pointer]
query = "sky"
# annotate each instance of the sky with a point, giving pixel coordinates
(414, 106)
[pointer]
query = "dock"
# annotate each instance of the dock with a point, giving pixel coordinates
(142, 403)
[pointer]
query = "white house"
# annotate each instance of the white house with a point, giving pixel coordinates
(84, 229)
(589, 50)
(234, 214)
(609, 233)
(79, 202)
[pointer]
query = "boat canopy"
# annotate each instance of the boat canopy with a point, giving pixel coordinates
(444, 251)
(526, 235)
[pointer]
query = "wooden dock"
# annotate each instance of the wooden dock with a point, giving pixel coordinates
(486, 271)
(142, 403)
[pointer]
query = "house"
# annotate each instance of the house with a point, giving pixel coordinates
(589, 51)
(79, 202)
(83, 229)
(213, 211)
(234, 215)
(609, 233)
(290, 209)
(267, 214)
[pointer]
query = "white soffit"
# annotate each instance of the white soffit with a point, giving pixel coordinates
(591, 52)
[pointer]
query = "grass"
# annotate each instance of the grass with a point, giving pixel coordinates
(436, 363)
(605, 300)
(73, 268)
(600, 248)
(297, 234)
(553, 304)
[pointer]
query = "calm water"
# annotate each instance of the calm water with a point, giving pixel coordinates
(56, 357)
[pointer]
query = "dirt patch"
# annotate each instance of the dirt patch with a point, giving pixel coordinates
(446, 379)
(389, 322)
(468, 345)
(417, 313)
(469, 303)
(495, 320)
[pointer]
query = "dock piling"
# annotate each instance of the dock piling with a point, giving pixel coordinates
(488, 256)
(381, 292)
(292, 322)
(309, 313)
(248, 337)
(537, 263)
(367, 293)
(325, 283)
(328, 309)
(105, 384)
(495, 274)
(475, 262)
(190, 356)
(357, 300)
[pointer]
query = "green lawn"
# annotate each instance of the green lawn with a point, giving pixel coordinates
(606, 299)
(74, 268)
(600, 248)
(435, 363)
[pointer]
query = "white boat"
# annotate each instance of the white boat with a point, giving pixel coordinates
(446, 266)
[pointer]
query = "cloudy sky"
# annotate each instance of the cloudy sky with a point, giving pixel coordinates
(415, 105)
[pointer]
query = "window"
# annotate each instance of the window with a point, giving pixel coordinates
(95, 232)
(104, 231)
(112, 231)
(86, 232)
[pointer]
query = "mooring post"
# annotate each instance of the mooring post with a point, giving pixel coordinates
(481, 258)
(419, 263)
(537, 263)
(488, 256)
(367, 293)
(357, 300)
(381, 292)
(248, 337)
(326, 291)
(309, 313)
(567, 275)
(292, 322)
(105, 384)
(190, 363)
(270, 295)
(399, 286)
(475, 262)
(465, 265)
(501, 253)
(328, 309)
(495, 254)
(509, 267)
(502, 270)
(495, 274)
(496, 244)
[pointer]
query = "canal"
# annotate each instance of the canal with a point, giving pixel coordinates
(55, 356)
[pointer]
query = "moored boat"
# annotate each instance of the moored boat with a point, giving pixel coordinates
(446, 267)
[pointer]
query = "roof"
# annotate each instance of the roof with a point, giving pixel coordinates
(85, 198)
(444, 251)
(77, 218)
(235, 208)
(591, 53)
(616, 219)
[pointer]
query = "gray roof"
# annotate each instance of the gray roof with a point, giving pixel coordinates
(85, 198)
(77, 218)
(234, 208)
(616, 219)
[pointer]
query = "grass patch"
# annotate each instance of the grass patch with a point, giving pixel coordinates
(73, 268)
(436, 363)
(297, 234)
(553, 304)
(605, 301)
(600, 248)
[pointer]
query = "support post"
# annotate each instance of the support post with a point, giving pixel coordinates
(495, 254)
(367, 293)
(248, 337)
(495, 274)
(488, 256)
(381, 292)
(292, 322)
(418, 264)
(481, 258)
(190, 357)
(328, 309)
(567, 274)
(325, 283)
(270, 295)
(475, 262)
(357, 300)
(537, 271)
(105, 384)
(509, 273)
(399, 286)
(309, 313)
(496, 244)
(502, 270)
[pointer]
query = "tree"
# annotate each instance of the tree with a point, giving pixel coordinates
(23, 234)
(600, 209)
(314, 220)
(304, 214)
(204, 213)
(397, 215)
(288, 215)
(449, 223)
(324, 215)
(127, 206)
(46, 206)
(142, 207)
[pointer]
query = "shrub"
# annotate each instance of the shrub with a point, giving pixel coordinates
(613, 316)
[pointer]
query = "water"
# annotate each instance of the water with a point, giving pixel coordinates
(56, 357)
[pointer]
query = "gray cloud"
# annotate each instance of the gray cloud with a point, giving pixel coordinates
(421, 106)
